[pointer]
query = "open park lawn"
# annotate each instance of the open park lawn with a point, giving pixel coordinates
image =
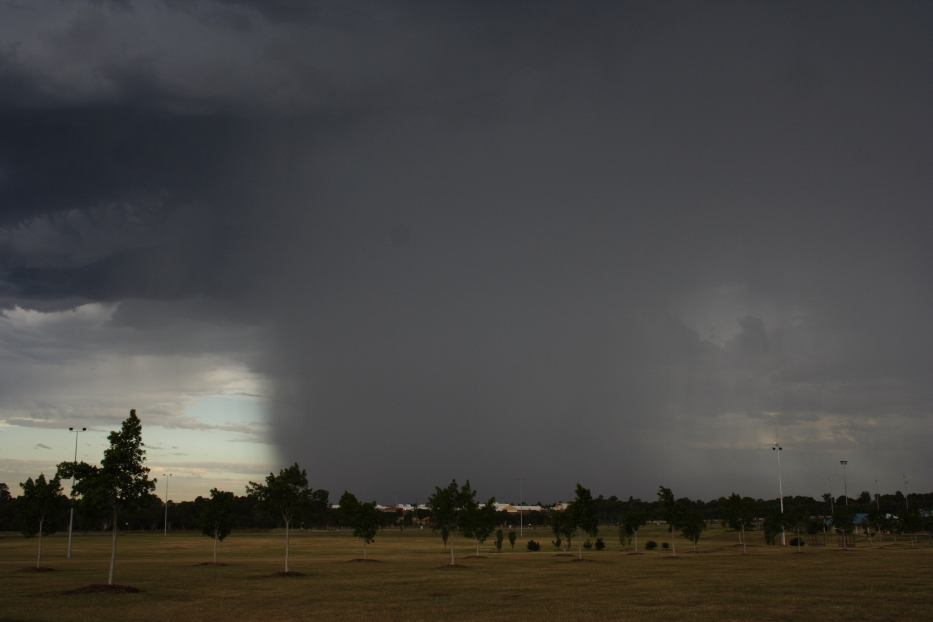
(410, 580)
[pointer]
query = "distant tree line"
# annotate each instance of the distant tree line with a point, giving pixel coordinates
(146, 513)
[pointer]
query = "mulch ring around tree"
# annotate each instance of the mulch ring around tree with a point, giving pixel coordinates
(103, 588)
(34, 569)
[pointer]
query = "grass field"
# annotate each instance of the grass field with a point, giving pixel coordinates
(411, 580)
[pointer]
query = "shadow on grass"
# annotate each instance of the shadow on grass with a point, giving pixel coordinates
(34, 569)
(366, 560)
(103, 588)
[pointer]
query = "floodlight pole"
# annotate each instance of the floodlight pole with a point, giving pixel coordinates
(778, 449)
(521, 502)
(71, 509)
(845, 483)
(165, 525)
(906, 494)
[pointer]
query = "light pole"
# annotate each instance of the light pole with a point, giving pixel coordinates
(521, 503)
(845, 483)
(877, 497)
(906, 494)
(165, 525)
(778, 449)
(71, 510)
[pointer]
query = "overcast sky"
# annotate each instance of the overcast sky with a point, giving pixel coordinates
(626, 243)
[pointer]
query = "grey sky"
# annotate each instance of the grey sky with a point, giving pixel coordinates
(620, 243)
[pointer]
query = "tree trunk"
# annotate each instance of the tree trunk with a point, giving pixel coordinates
(635, 540)
(215, 546)
(477, 548)
(580, 551)
(673, 546)
(39, 552)
(744, 549)
(364, 547)
(286, 545)
(798, 540)
(452, 563)
(113, 548)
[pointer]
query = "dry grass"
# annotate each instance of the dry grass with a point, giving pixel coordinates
(882, 581)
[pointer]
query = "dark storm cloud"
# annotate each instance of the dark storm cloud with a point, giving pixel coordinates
(620, 243)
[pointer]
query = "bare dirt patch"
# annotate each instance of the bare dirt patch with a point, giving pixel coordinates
(103, 588)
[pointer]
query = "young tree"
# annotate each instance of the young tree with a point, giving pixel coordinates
(773, 525)
(500, 536)
(583, 511)
(366, 523)
(669, 509)
(479, 521)
(449, 506)
(121, 480)
(739, 516)
(556, 527)
(286, 494)
(217, 517)
(512, 538)
(692, 524)
(798, 518)
(349, 505)
(443, 507)
(842, 522)
(362, 517)
(632, 521)
(40, 497)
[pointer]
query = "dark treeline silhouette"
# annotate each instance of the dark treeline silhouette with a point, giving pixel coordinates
(248, 513)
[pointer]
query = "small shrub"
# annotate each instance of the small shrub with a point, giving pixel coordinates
(587, 545)
(651, 545)
(512, 537)
(600, 545)
(556, 543)
(534, 546)
(665, 545)
(794, 542)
